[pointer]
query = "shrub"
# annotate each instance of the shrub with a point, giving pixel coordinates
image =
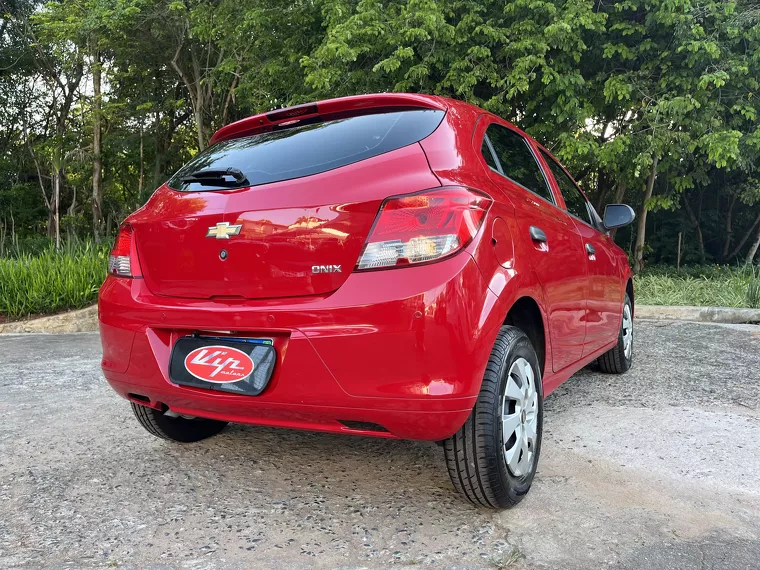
(54, 280)
(753, 292)
(711, 285)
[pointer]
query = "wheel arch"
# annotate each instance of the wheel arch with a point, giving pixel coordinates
(525, 314)
(629, 290)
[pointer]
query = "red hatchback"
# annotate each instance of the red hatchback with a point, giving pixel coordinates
(391, 265)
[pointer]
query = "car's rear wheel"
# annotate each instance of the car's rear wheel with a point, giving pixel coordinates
(492, 459)
(175, 427)
(619, 359)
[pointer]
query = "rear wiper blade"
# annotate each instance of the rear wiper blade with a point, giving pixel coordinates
(217, 177)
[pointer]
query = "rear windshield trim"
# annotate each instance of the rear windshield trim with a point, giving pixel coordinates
(175, 182)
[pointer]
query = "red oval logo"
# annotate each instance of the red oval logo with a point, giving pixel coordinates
(220, 364)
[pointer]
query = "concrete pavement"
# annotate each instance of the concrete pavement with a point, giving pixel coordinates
(658, 468)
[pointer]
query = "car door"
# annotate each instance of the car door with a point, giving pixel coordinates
(604, 289)
(552, 240)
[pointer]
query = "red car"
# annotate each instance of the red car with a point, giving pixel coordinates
(393, 265)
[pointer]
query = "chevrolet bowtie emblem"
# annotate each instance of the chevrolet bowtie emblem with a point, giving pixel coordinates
(223, 230)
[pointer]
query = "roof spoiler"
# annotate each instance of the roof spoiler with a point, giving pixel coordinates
(351, 105)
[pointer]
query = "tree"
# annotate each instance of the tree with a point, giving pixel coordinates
(60, 65)
(653, 102)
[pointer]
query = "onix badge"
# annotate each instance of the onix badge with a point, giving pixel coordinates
(326, 269)
(223, 230)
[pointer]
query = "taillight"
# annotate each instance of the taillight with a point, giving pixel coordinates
(423, 227)
(120, 259)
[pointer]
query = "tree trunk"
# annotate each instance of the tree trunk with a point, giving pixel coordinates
(600, 199)
(73, 206)
(230, 96)
(97, 157)
(163, 139)
(604, 184)
(196, 89)
(744, 239)
(157, 157)
(36, 166)
(61, 122)
(638, 262)
(729, 228)
(200, 100)
(56, 206)
(141, 179)
(198, 113)
(71, 232)
(698, 227)
(620, 191)
(753, 249)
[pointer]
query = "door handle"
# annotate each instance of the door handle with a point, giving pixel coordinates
(590, 249)
(537, 234)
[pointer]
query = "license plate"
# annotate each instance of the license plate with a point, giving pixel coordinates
(235, 365)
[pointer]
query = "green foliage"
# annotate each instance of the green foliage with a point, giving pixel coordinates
(714, 285)
(52, 281)
(753, 292)
(610, 88)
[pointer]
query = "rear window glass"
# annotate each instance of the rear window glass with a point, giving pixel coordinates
(307, 149)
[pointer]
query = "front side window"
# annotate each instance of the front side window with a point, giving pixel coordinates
(574, 199)
(517, 161)
(313, 146)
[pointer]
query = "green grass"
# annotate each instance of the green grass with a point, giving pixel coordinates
(52, 280)
(708, 286)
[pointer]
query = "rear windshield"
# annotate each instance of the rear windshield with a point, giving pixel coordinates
(305, 149)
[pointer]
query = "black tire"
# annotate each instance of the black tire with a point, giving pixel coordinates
(179, 429)
(476, 454)
(615, 361)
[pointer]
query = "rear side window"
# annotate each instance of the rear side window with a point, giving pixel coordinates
(517, 161)
(306, 149)
(485, 150)
(574, 200)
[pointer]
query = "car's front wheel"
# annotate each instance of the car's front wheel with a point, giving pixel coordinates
(174, 427)
(492, 459)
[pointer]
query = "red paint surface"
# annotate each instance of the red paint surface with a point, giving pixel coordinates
(404, 347)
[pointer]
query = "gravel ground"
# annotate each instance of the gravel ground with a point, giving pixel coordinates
(659, 468)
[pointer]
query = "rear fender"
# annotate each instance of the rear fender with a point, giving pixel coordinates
(509, 279)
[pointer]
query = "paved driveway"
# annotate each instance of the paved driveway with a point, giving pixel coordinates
(659, 468)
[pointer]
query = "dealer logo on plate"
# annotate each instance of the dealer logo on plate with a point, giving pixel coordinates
(220, 364)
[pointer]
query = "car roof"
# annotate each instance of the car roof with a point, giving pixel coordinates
(353, 104)
(357, 104)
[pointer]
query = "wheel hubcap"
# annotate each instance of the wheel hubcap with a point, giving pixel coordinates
(627, 331)
(519, 419)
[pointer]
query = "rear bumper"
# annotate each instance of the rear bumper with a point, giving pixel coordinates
(404, 349)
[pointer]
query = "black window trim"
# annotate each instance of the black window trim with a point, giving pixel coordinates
(553, 201)
(598, 225)
(498, 169)
(548, 157)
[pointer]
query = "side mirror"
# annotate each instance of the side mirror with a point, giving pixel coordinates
(618, 215)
